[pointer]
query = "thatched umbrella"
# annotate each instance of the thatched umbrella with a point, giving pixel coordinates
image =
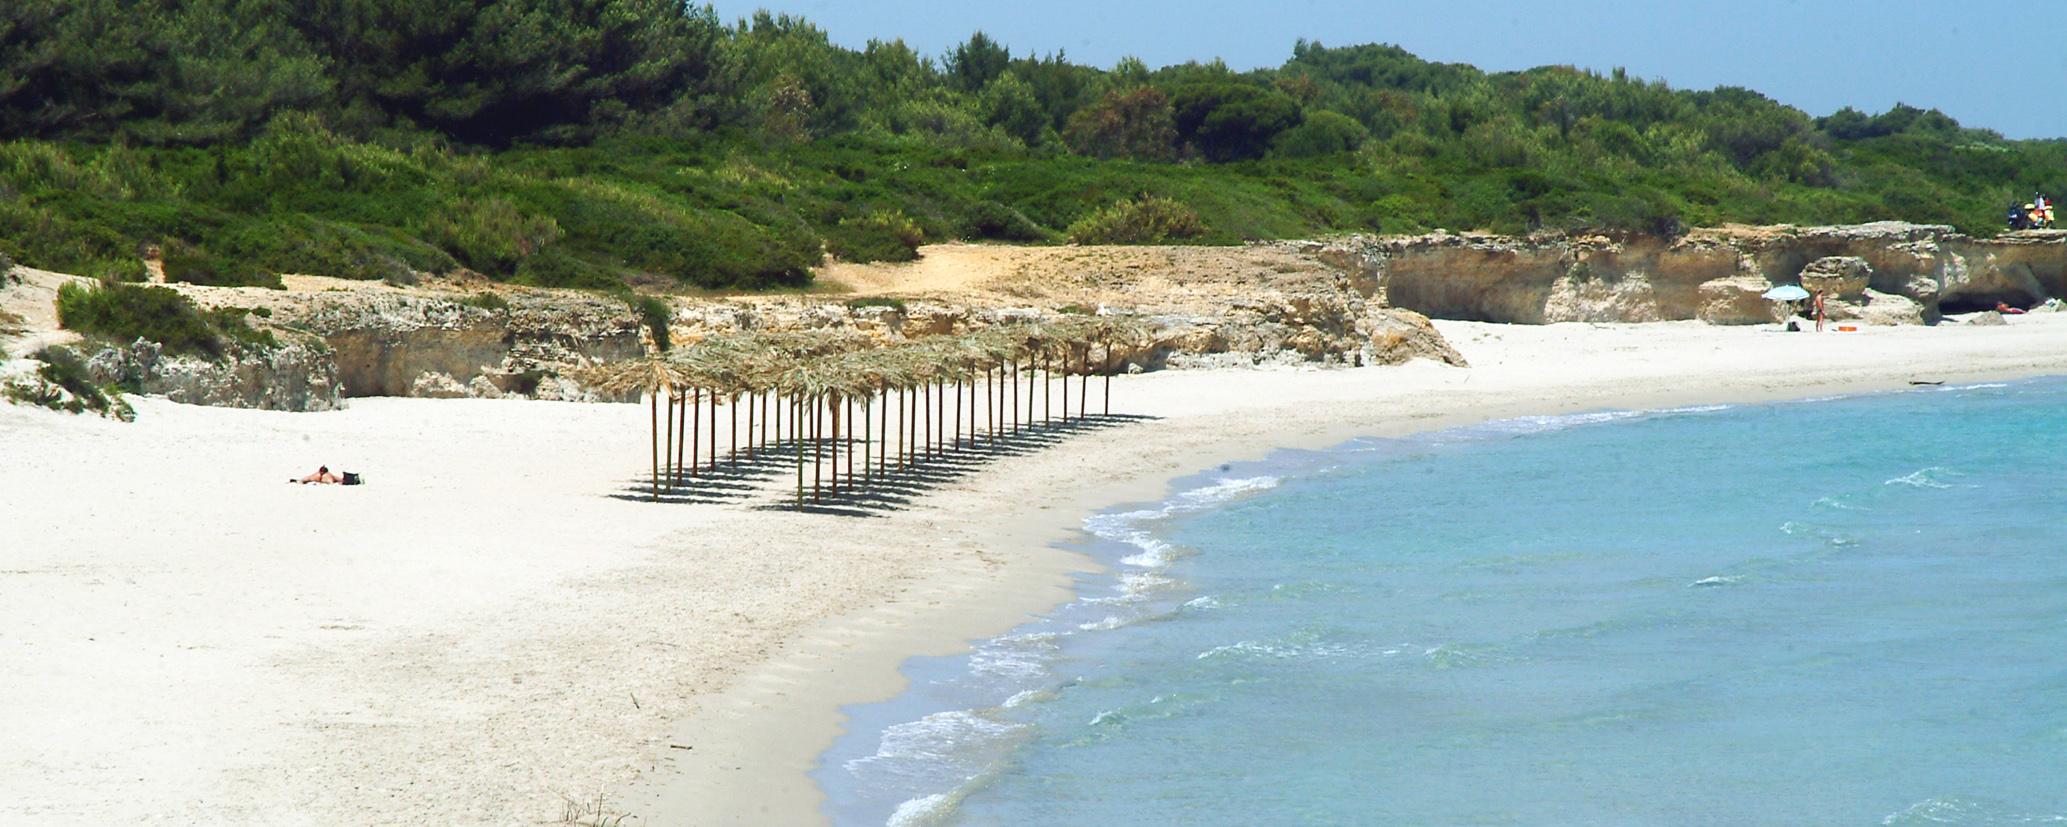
(805, 380)
(652, 374)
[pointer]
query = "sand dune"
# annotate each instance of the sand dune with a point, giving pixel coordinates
(480, 634)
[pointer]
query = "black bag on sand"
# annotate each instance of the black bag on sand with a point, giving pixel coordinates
(352, 479)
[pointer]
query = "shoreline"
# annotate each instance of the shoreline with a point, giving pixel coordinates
(776, 726)
(480, 636)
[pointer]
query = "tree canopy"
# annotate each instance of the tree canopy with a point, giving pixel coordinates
(602, 142)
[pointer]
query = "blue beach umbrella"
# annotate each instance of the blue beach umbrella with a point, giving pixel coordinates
(1785, 293)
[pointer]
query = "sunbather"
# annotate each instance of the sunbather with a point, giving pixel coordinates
(322, 476)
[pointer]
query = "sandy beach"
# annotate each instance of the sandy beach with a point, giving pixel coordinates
(481, 635)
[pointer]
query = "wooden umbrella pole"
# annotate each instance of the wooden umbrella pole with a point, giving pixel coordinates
(833, 450)
(1108, 377)
(940, 415)
(1015, 394)
(847, 438)
(1065, 386)
(733, 432)
(1047, 389)
(796, 420)
(714, 430)
(655, 408)
(1033, 374)
(817, 444)
(682, 431)
(1084, 386)
(958, 412)
(695, 429)
(868, 412)
(667, 443)
(750, 427)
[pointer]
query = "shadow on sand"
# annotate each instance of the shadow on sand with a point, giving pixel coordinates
(776, 478)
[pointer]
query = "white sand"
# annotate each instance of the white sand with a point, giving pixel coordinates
(479, 632)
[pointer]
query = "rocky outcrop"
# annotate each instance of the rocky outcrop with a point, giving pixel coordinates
(390, 343)
(1280, 305)
(1713, 275)
(291, 377)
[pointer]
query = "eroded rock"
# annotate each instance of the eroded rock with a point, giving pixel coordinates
(292, 377)
(1839, 277)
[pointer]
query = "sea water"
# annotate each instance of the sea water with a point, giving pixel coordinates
(1848, 611)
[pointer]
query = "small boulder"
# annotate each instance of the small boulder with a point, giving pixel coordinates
(1988, 318)
(1735, 300)
(1876, 308)
(1401, 336)
(437, 385)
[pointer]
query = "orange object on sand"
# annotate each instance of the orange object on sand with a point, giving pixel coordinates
(1847, 328)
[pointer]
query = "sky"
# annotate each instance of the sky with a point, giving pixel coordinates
(1990, 64)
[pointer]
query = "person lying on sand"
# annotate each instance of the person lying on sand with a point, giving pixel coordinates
(322, 476)
(2004, 308)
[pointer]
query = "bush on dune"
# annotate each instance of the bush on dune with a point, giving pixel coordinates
(877, 235)
(1145, 220)
(122, 313)
(66, 385)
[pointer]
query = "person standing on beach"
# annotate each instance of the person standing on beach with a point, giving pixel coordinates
(1819, 311)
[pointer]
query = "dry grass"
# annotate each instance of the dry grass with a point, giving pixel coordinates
(584, 812)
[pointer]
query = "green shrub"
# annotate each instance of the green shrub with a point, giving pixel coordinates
(876, 301)
(1323, 133)
(1145, 220)
(230, 323)
(557, 268)
(491, 235)
(877, 235)
(655, 315)
(127, 312)
(63, 370)
(990, 219)
(493, 302)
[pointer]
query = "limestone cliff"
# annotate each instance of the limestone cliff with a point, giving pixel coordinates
(1911, 273)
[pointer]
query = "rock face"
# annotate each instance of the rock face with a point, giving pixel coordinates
(1279, 305)
(395, 344)
(292, 377)
(1837, 277)
(1714, 275)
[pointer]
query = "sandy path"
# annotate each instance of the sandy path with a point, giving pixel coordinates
(478, 632)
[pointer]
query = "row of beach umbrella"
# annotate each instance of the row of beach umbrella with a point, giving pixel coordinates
(857, 409)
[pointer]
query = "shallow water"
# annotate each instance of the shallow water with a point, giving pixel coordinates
(1840, 612)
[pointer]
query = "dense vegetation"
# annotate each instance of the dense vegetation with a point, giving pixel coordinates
(603, 143)
(122, 313)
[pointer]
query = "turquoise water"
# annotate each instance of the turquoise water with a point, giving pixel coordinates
(1847, 611)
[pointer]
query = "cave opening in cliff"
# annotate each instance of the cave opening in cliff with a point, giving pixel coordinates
(1979, 300)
